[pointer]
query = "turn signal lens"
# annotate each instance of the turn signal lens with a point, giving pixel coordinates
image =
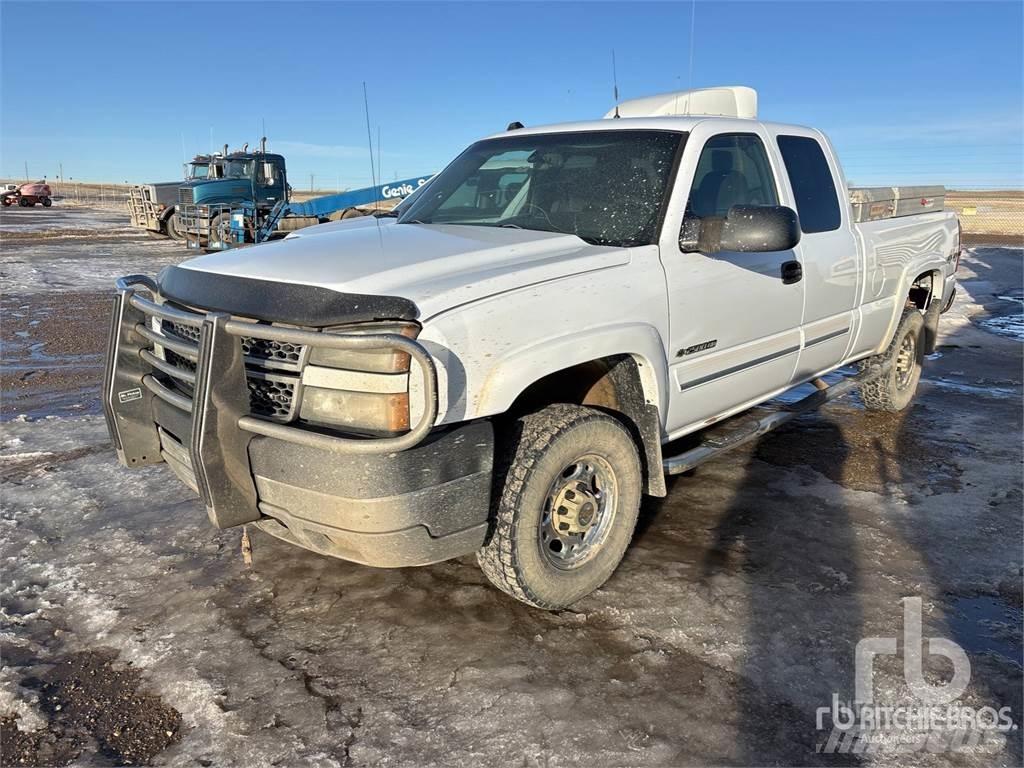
(385, 360)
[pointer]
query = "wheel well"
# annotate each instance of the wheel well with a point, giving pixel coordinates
(611, 384)
(923, 289)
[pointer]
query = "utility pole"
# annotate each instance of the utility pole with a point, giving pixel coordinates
(311, 183)
(26, 170)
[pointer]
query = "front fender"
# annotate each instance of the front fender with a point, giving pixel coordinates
(480, 380)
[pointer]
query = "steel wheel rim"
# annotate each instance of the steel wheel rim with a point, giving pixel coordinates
(578, 512)
(906, 360)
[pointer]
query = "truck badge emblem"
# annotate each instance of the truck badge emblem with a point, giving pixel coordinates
(697, 348)
(129, 394)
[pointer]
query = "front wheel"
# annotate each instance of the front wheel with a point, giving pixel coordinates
(173, 231)
(47, 202)
(901, 366)
(568, 499)
(220, 231)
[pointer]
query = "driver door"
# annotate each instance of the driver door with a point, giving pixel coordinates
(734, 325)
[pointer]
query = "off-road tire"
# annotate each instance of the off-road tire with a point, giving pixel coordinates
(47, 202)
(885, 392)
(24, 202)
(544, 443)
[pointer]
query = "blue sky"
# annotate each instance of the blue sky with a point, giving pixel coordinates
(910, 92)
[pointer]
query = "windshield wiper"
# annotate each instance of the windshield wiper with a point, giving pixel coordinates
(510, 226)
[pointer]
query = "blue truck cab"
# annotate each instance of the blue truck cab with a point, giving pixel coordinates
(256, 180)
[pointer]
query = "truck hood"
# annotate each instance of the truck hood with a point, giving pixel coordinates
(217, 190)
(434, 266)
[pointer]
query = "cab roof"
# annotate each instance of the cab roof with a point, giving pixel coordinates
(682, 124)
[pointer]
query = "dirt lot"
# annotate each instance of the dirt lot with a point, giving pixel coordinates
(132, 632)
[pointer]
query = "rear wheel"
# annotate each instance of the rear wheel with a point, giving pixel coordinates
(24, 202)
(901, 362)
(570, 486)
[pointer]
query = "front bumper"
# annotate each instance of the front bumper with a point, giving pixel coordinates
(409, 500)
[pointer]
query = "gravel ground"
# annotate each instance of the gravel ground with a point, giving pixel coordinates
(132, 631)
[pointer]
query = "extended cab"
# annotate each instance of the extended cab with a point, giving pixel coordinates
(498, 370)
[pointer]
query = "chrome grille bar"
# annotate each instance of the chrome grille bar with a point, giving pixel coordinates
(183, 348)
(167, 395)
(240, 329)
(164, 367)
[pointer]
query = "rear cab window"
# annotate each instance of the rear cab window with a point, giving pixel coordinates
(813, 186)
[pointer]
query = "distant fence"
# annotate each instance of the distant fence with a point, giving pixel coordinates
(989, 211)
(112, 195)
(982, 211)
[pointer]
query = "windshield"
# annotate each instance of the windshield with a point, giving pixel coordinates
(199, 171)
(606, 187)
(237, 169)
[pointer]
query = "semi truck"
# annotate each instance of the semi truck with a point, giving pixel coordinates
(506, 373)
(257, 179)
(153, 207)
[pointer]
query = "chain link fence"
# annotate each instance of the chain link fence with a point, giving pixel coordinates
(989, 212)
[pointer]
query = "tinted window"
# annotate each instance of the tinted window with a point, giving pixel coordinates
(811, 179)
(732, 170)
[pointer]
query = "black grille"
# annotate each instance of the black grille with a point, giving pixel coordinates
(270, 395)
(257, 349)
(185, 195)
(266, 349)
(182, 331)
(273, 399)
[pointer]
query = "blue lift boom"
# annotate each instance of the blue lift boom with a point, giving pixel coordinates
(319, 207)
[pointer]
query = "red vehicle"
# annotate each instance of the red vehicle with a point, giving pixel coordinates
(27, 195)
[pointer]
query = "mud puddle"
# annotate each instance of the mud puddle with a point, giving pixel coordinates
(51, 349)
(987, 624)
(868, 451)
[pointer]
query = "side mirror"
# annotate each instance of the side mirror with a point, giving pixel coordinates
(745, 229)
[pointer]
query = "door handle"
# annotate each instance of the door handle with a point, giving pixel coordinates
(792, 272)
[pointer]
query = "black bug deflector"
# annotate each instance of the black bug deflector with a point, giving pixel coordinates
(217, 406)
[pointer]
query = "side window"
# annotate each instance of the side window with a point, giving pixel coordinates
(732, 170)
(812, 182)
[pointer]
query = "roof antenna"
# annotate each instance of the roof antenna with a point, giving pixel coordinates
(615, 85)
(369, 139)
(693, 16)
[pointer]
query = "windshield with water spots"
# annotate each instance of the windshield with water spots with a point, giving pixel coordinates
(606, 187)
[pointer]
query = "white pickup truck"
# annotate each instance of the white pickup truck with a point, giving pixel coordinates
(499, 370)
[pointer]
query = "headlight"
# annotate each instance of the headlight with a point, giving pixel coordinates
(362, 390)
